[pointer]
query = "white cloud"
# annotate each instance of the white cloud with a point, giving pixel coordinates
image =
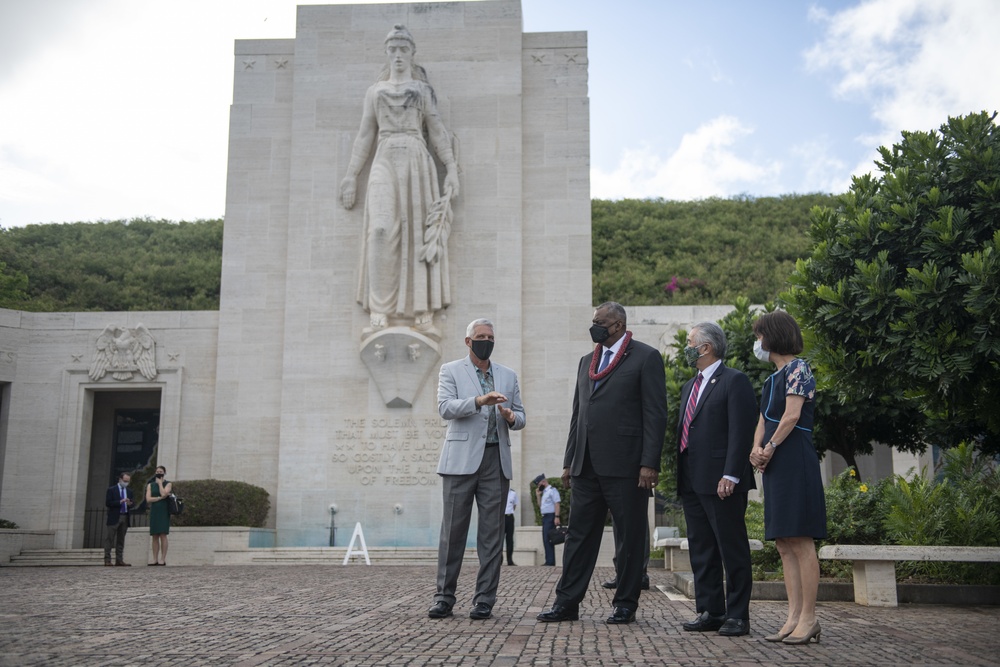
(705, 164)
(818, 168)
(127, 114)
(916, 61)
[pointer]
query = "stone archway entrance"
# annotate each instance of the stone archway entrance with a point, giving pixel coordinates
(124, 436)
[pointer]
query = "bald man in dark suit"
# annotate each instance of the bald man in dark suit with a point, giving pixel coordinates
(612, 461)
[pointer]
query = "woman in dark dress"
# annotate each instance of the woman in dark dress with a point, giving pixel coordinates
(794, 504)
(157, 491)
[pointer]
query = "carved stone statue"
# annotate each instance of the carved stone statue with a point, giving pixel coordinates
(407, 217)
(123, 352)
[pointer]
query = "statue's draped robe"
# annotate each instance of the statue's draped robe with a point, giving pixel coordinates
(402, 187)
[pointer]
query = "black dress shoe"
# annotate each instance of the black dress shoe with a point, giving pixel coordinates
(481, 612)
(610, 583)
(439, 610)
(621, 616)
(559, 613)
(704, 623)
(735, 627)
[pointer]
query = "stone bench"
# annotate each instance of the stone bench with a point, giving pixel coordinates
(875, 565)
(675, 552)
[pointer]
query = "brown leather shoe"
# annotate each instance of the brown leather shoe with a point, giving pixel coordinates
(107, 563)
(121, 563)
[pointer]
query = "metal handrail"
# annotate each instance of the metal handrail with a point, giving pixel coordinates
(95, 520)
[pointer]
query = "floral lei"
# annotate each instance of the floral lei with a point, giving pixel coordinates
(594, 375)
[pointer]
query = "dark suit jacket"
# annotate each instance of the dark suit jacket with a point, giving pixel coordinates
(112, 500)
(721, 432)
(624, 420)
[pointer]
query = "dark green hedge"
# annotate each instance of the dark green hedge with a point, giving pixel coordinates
(215, 502)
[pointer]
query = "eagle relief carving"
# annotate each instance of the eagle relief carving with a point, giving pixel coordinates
(122, 352)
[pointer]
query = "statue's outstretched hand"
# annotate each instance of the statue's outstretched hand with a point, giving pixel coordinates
(451, 184)
(348, 190)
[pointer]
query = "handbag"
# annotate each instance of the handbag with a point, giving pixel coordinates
(558, 534)
(175, 505)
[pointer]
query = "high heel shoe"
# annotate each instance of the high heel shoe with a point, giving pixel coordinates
(777, 636)
(805, 639)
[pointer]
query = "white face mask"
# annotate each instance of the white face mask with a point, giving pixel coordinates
(760, 352)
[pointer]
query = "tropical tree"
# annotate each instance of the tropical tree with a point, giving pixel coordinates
(13, 285)
(899, 296)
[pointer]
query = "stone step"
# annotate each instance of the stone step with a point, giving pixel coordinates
(279, 555)
(335, 555)
(57, 557)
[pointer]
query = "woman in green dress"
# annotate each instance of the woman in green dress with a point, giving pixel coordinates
(157, 491)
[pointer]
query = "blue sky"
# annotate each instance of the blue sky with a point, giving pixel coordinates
(116, 109)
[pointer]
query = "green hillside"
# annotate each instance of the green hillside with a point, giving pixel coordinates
(646, 252)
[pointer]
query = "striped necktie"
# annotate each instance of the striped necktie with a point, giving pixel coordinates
(689, 413)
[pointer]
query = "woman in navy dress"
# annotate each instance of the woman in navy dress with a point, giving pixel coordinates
(794, 504)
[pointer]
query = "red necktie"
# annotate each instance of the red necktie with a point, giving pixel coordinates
(689, 413)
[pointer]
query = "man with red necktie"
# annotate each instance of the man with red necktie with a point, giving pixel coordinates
(613, 457)
(715, 435)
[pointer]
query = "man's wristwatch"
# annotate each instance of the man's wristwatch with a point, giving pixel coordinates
(772, 444)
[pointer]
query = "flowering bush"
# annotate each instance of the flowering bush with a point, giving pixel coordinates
(854, 511)
(678, 285)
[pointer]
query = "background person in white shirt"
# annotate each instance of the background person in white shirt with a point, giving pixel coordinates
(548, 505)
(508, 525)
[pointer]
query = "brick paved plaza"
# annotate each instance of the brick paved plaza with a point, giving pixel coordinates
(361, 615)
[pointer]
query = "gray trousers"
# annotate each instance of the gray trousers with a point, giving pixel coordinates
(487, 487)
(114, 538)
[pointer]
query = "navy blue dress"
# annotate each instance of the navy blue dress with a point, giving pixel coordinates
(794, 504)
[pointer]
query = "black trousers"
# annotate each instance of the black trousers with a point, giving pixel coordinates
(593, 496)
(508, 534)
(719, 549)
(618, 548)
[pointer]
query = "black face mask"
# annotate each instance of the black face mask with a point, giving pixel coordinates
(482, 349)
(599, 334)
(160, 475)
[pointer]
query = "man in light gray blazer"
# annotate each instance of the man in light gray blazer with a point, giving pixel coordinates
(481, 402)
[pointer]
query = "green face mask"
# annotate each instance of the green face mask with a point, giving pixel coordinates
(692, 356)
